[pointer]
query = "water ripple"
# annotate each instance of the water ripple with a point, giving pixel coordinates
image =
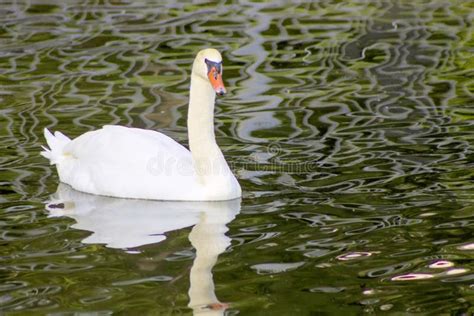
(349, 127)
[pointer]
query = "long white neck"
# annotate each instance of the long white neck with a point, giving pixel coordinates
(207, 156)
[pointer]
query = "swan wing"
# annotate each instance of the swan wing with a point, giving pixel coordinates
(129, 162)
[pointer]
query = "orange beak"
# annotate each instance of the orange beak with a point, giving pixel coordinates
(215, 77)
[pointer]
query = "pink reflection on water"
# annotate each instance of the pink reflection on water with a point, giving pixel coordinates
(413, 276)
(441, 264)
(353, 255)
(467, 247)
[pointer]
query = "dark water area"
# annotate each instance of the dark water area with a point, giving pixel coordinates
(349, 124)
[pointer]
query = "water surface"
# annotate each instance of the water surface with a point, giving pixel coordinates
(348, 123)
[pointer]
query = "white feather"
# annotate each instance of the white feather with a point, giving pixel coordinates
(56, 144)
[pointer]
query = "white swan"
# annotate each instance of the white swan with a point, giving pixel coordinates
(143, 164)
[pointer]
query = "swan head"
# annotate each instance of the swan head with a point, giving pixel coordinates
(208, 66)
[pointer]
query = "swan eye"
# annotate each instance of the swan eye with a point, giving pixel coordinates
(213, 66)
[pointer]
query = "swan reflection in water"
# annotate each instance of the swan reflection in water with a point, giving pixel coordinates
(127, 223)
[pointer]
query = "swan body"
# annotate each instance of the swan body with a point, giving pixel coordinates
(143, 164)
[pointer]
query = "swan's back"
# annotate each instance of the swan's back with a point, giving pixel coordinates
(119, 144)
(128, 162)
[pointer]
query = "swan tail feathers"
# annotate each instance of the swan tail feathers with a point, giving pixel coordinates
(56, 144)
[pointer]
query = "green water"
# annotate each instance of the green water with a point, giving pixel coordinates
(349, 125)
